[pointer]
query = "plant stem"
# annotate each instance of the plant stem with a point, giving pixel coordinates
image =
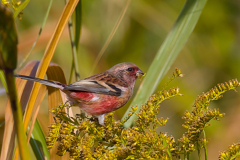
(167, 53)
(17, 115)
(205, 145)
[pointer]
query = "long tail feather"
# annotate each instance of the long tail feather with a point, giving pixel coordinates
(43, 81)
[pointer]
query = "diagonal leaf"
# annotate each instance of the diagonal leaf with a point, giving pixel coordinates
(69, 8)
(20, 8)
(26, 86)
(8, 62)
(74, 48)
(37, 145)
(110, 36)
(78, 26)
(9, 132)
(39, 33)
(38, 142)
(3, 80)
(167, 53)
(55, 73)
(78, 23)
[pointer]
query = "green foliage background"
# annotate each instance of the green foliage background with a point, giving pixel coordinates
(210, 56)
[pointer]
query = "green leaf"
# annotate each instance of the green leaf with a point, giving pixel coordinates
(38, 142)
(78, 23)
(20, 8)
(165, 144)
(17, 115)
(167, 53)
(61, 116)
(3, 80)
(39, 33)
(75, 38)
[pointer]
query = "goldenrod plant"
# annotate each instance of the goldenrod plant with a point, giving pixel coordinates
(84, 138)
(233, 152)
(112, 32)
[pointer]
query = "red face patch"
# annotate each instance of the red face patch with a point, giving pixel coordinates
(132, 71)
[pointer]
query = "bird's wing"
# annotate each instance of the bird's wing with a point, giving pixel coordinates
(102, 83)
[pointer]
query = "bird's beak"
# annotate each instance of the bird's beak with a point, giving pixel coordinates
(140, 74)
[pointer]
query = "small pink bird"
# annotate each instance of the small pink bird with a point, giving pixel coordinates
(101, 93)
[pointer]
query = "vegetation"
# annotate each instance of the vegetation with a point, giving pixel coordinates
(84, 138)
(121, 31)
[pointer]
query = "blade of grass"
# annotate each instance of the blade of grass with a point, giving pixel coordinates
(39, 33)
(167, 53)
(31, 69)
(69, 8)
(205, 145)
(3, 80)
(54, 72)
(20, 8)
(38, 142)
(23, 94)
(110, 36)
(17, 114)
(37, 145)
(78, 26)
(78, 23)
(8, 62)
(9, 134)
(74, 49)
(36, 107)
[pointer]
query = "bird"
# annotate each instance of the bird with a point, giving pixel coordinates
(101, 93)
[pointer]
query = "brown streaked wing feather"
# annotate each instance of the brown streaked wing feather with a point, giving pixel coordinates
(101, 83)
(109, 78)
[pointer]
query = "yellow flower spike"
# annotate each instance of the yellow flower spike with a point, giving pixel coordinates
(230, 83)
(227, 86)
(223, 86)
(216, 90)
(6, 3)
(219, 87)
(235, 82)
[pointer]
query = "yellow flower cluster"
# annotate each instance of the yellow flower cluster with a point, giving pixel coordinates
(84, 138)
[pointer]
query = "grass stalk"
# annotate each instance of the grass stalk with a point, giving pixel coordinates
(167, 53)
(17, 115)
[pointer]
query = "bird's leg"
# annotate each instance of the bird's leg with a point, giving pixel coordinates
(101, 119)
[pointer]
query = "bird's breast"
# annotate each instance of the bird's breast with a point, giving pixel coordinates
(97, 104)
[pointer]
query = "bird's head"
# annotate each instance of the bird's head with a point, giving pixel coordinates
(128, 72)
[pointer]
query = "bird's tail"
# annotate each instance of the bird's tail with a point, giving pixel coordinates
(43, 81)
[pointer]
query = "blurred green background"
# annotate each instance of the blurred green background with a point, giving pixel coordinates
(211, 55)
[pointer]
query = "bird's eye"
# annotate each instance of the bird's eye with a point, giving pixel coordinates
(130, 69)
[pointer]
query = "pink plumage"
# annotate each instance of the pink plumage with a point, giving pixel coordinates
(101, 93)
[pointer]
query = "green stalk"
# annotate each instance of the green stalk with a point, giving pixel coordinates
(205, 145)
(17, 115)
(8, 62)
(75, 41)
(74, 50)
(20, 8)
(38, 142)
(39, 33)
(167, 53)
(3, 80)
(78, 23)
